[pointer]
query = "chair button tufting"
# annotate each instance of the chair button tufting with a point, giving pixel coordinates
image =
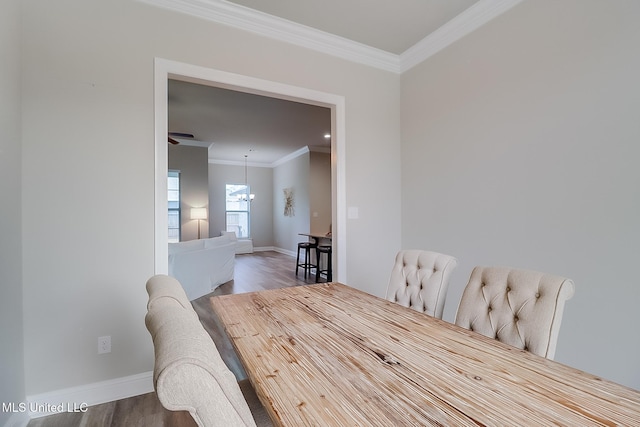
(538, 295)
(508, 289)
(515, 318)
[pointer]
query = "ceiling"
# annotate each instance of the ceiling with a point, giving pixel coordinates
(234, 124)
(393, 35)
(392, 26)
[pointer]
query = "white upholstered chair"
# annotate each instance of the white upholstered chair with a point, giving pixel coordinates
(521, 308)
(419, 280)
(189, 373)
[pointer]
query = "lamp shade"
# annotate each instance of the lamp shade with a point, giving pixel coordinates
(198, 213)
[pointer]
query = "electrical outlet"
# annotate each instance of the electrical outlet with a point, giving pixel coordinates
(104, 344)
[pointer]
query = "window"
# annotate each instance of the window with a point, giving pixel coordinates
(173, 197)
(237, 209)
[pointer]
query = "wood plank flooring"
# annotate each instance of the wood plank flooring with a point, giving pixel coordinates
(253, 272)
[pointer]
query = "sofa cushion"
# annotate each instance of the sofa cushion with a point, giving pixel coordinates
(215, 242)
(230, 234)
(189, 245)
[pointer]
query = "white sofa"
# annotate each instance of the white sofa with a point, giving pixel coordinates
(202, 265)
(243, 246)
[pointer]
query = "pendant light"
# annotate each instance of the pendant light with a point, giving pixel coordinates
(246, 184)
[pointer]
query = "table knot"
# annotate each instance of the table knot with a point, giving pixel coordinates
(388, 359)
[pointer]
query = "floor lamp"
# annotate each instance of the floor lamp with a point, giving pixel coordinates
(199, 214)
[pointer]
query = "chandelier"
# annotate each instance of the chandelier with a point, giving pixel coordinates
(246, 195)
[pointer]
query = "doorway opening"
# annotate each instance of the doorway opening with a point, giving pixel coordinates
(166, 69)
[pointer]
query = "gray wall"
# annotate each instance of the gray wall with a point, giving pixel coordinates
(88, 98)
(552, 83)
(520, 147)
(193, 164)
(260, 181)
(310, 176)
(292, 174)
(12, 387)
(320, 192)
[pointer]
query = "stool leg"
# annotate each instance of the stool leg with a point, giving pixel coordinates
(307, 254)
(329, 273)
(317, 265)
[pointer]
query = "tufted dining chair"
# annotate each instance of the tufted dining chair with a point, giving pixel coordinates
(189, 373)
(521, 308)
(419, 280)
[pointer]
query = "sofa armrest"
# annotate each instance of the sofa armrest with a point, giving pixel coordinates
(201, 271)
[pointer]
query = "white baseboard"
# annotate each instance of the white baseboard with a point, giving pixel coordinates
(292, 254)
(263, 248)
(77, 399)
(273, 248)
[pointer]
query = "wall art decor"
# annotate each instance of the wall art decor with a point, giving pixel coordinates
(288, 202)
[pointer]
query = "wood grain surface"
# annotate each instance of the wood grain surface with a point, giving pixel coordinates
(330, 355)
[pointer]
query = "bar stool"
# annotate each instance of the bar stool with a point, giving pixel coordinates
(323, 249)
(307, 265)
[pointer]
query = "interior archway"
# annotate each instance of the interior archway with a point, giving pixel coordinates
(166, 69)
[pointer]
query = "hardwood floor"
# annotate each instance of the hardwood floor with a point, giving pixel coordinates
(253, 272)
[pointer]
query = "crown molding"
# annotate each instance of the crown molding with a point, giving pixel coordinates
(319, 149)
(291, 156)
(237, 16)
(463, 24)
(299, 152)
(234, 15)
(238, 163)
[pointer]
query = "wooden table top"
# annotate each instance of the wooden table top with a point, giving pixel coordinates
(330, 355)
(317, 238)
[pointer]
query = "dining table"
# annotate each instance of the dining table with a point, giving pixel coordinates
(328, 354)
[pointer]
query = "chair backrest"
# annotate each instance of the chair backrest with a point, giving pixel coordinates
(419, 280)
(521, 308)
(165, 290)
(189, 373)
